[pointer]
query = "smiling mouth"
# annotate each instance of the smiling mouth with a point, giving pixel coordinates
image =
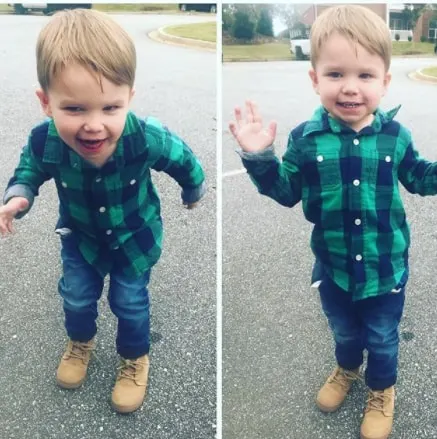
(349, 104)
(91, 143)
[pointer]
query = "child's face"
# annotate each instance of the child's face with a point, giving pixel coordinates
(90, 121)
(350, 81)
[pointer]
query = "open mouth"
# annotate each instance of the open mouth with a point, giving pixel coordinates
(349, 104)
(91, 144)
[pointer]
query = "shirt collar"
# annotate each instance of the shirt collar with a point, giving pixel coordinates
(322, 122)
(55, 147)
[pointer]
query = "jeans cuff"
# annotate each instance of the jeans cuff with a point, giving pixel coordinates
(133, 352)
(381, 384)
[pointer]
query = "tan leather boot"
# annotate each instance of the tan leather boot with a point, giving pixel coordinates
(130, 388)
(334, 391)
(378, 415)
(72, 369)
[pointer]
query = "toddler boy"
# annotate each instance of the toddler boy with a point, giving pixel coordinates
(344, 164)
(100, 156)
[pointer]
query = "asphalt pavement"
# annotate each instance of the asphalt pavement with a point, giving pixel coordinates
(182, 382)
(277, 348)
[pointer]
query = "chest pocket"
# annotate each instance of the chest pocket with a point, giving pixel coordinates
(322, 170)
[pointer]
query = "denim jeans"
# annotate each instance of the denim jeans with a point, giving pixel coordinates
(81, 287)
(371, 324)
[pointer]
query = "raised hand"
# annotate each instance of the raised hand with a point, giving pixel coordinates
(250, 133)
(9, 211)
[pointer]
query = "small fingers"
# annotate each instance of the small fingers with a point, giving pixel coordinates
(272, 128)
(238, 116)
(6, 228)
(233, 129)
(249, 112)
(255, 112)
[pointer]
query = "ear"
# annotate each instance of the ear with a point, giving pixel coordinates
(387, 80)
(314, 80)
(44, 101)
(132, 94)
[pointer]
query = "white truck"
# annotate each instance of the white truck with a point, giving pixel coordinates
(301, 49)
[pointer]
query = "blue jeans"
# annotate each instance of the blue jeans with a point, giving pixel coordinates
(81, 287)
(371, 324)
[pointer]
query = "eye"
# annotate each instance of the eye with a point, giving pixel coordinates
(334, 75)
(366, 76)
(111, 108)
(73, 109)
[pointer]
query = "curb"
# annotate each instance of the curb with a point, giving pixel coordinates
(162, 37)
(419, 76)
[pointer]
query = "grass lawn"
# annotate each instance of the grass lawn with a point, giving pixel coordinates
(278, 51)
(198, 31)
(5, 8)
(410, 48)
(430, 71)
(269, 51)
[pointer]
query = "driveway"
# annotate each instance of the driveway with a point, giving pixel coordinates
(182, 385)
(277, 348)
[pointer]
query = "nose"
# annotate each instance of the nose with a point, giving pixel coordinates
(93, 124)
(350, 86)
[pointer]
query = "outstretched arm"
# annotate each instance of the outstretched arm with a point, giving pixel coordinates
(279, 181)
(171, 154)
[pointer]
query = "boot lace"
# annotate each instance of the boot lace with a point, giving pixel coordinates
(344, 377)
(129, 368)
(377, 399)
(79, 350)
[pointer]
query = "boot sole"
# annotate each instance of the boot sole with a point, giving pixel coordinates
(126, 409)
(66, 385)
(379, 437)
(327, 409)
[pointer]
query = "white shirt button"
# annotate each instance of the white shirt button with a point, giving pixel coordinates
(98, 179)
(102, 209)
(132, 182)
(64, 184)
(357, 221)
(109, 232)
(356, 182)
(358, 257)
(388, 159)
(320, 158)
(356, 142)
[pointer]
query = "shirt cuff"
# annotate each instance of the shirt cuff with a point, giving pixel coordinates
(192, 195)
(19, 190)
(265, 155)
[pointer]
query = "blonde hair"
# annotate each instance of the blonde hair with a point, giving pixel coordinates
(358, 24)
(88, 38)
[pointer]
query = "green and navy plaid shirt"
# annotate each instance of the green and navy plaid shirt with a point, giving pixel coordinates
(112, 211)
(348, 185)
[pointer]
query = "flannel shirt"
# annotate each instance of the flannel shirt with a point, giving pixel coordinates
(114, 211)
(348, 185)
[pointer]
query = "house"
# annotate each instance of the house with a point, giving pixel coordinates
(392, 14)
(426, 25)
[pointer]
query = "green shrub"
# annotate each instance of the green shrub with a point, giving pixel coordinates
(243, 26)
(265, 24)
(410, 38)
(397, 37)
(423, 39)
